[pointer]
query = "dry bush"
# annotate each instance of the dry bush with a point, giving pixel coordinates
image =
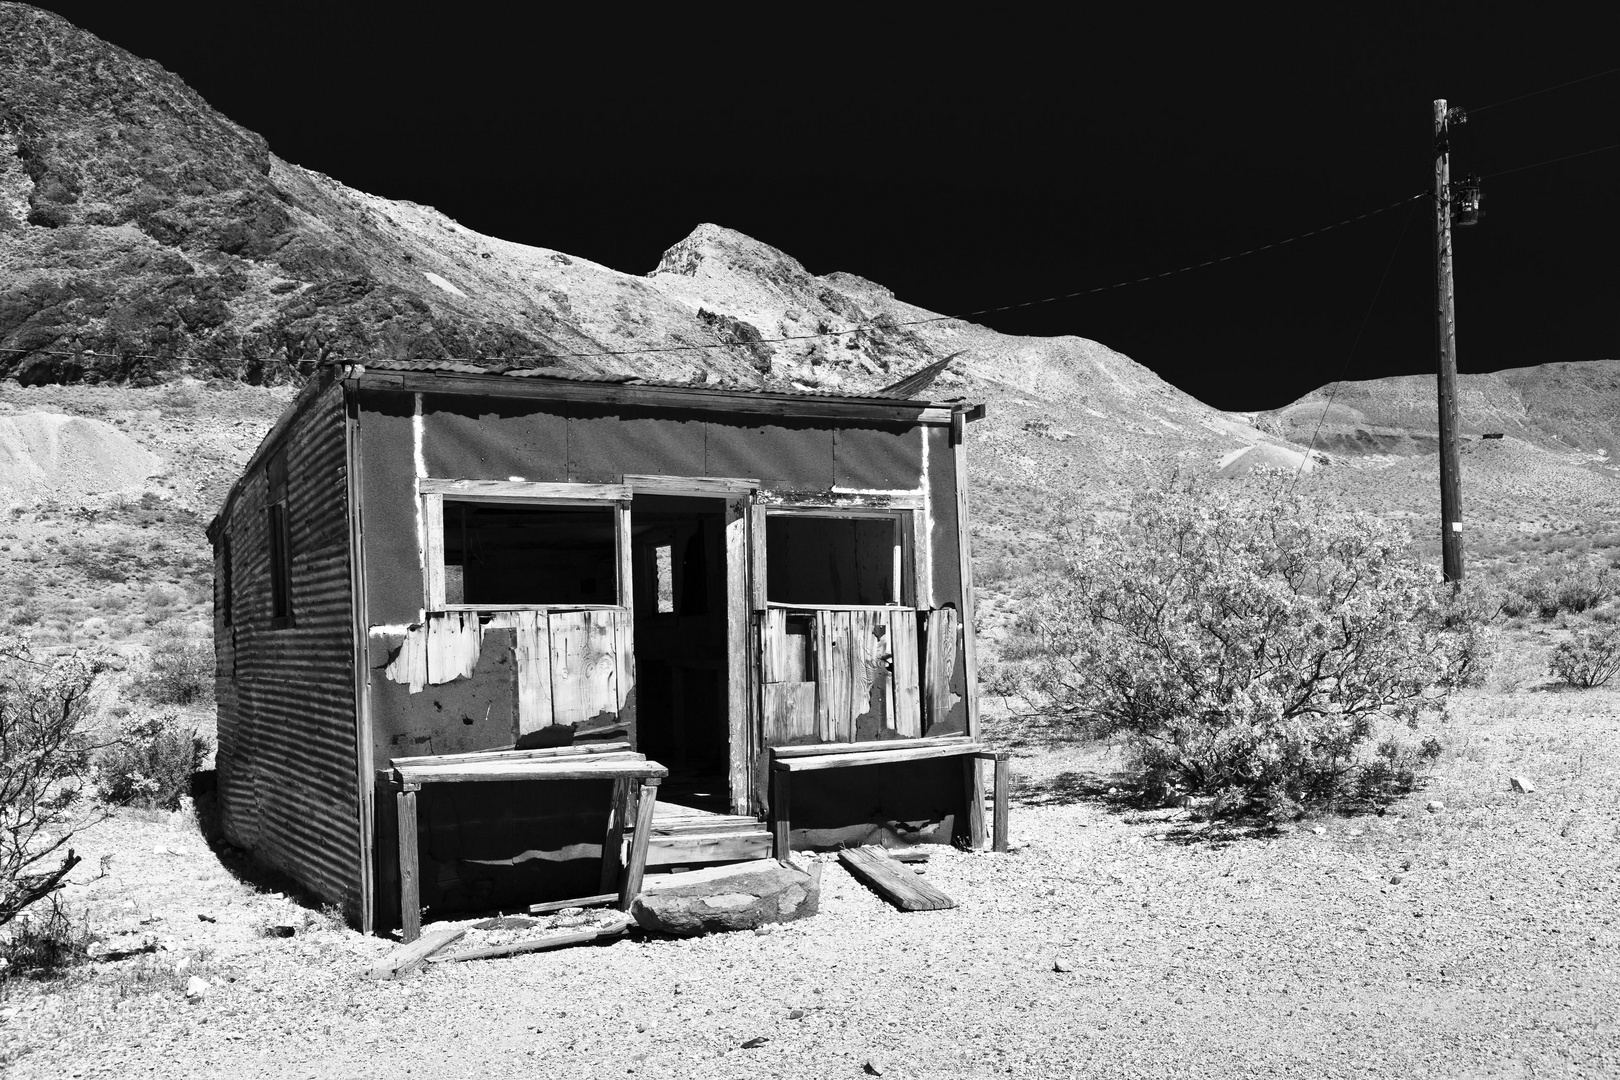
(44, 768)
(151, 762)
(1591, 658)
(1572, 585)
(45, 940)
(1256, 653)
(181, 672)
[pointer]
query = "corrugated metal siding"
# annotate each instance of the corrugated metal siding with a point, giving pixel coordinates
(287, 735)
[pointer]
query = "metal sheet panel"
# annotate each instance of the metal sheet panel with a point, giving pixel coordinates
(287, 748)
(791, 455)
(388, 507)
(491, 438)
(604, 444)
(878, 456)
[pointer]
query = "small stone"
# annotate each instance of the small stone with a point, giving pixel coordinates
(281, 930)
(1435, 806)
(196, 988)
(203, 916)
(874, 1066)
(1521, 785)
(1395, 879)
(183, 966)
(1062, 963)
(768, 928)
(795, 1014)
(1319, 831)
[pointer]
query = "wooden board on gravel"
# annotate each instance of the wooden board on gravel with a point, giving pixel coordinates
(894, 881)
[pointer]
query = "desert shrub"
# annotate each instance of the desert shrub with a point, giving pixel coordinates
(1573, 586)
(44, 766)
(1255, 653)
(150, 764)
(1590, 658)
(45, 940)
(181, 673)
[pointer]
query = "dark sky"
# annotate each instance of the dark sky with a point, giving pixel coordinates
(967, 162)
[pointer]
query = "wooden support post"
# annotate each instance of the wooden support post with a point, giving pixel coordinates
(1003, 772)
(638, 843)
(782, 841)
(613, 843)
(410, 895)
(975, 801)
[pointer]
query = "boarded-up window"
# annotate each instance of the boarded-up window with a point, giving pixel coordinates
(815, 560)
(225, 612)
(509, 554)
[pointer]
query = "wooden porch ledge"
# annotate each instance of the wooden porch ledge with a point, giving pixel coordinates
(624, 768)
(787, 760)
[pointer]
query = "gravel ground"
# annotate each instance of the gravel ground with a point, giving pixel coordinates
(1480, 940)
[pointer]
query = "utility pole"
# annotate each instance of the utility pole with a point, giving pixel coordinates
(1451, 545)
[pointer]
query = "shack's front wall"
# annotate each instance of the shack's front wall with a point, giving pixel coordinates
(406, 436)
(286, 763)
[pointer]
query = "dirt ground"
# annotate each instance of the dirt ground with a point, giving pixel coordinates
(1477, 940)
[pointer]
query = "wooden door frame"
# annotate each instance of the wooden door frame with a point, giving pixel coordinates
(738, 521)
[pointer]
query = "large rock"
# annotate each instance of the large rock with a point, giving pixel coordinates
(741, 896)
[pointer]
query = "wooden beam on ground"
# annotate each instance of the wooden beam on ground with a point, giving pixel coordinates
(555, 941)
(408, 957)
(599, 900)
(895, 882)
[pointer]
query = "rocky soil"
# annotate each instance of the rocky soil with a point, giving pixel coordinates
(1481, 939)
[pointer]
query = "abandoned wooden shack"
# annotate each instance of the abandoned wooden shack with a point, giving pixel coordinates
(467, 619)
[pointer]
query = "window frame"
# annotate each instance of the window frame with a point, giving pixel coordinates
(903, 566)
(278, 541)
(435, 492)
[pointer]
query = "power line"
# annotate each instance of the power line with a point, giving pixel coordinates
(1552, 161)
(1360, 331)
(1544, 90)
(856, 329)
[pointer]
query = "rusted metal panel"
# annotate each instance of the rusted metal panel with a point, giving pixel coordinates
(287, 737)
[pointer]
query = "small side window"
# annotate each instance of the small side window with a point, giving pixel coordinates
(279, 540)
(226, 582)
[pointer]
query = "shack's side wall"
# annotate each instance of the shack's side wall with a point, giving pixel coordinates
(286, 703)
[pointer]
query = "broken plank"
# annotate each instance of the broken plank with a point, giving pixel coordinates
(405, 959)
(582, 902)
(893, 881)
(555, 941)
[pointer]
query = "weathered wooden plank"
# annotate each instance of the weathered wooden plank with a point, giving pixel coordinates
(594, 769)
(739, 709)
(961, 742)
(620, 749)
(970, 656)
(523, 489)
(624, 667)
(906, 750)
(973, 786)
(432, 552)
(790, 713)
(600, 900)
(637, 863)
(939, 664)
(893, 881)
(698, 849)
(407, 958)
(410, 891)
(454, 640)
(841, 676)
(554, 941)
(907, 686)
(871, 689)
(533, 670)
(1003, 779)
(781, 812)
(776, 661)
(584, 659)
(720, 486)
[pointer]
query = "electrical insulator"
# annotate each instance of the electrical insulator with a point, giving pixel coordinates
(1466, 200)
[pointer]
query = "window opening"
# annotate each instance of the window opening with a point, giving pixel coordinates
(225, 588)
(814, 560)
(498, 554)
(664, 568)
(280, 541)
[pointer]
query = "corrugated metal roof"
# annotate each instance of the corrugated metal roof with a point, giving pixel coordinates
(566, 374)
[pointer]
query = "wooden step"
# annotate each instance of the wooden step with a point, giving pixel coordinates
(706, 848)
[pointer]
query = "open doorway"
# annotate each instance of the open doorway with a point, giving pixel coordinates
(682, 720)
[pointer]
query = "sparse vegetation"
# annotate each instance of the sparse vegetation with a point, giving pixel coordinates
(1257, 654)
(45, 940)
(44, 766)
(1566, 586)
(1591, 658)
(181, 673)
(151, 763)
